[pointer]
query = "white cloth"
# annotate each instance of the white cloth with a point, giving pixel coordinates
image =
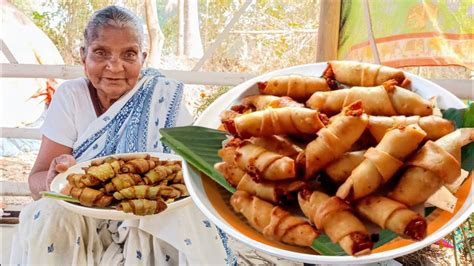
(50, 234)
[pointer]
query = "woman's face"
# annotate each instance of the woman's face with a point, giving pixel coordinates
(113, 61)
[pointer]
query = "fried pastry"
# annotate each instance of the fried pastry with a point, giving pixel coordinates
(435, 164)
(381, 162)
(333, 216)
(272, 221)
(299, 88)
(392, 215)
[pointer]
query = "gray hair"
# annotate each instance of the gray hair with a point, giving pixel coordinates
(114, 16)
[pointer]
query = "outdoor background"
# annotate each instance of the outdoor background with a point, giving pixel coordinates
(270, 35)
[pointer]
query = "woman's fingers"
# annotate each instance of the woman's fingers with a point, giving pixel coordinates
(58, 165)
(63, 162)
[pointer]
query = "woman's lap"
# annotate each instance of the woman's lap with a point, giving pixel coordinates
(50, 234)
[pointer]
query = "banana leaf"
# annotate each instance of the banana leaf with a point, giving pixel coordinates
(199, 146)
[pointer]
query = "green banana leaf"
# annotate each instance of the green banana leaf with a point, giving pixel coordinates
(199, 146)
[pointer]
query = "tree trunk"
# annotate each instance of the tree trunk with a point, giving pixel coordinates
(156, 37)
(181, 27)
(192, 35)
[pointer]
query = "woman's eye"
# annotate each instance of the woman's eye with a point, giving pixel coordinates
(130, 55)
(99, 52)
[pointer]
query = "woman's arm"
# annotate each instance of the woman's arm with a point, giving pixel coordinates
(52, 158)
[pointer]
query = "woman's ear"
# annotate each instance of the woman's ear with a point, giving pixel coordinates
(144, 56)
(83, 54)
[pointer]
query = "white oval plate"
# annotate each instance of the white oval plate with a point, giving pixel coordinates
(210, 119)
(109, 213)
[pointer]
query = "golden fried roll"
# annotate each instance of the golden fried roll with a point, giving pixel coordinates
(435, 164)
(392, 215)
(138, 192)
(66, 190)
(260, 163)
(276, 121)
(173, 192)
(122, 181)
(272, 221)
(266, 190)
(334, 140)
(381, 162)
(297, 87)
(278, 144)
(142, 206)
(177, 178)
(159, 173)
(434, 126)
(183, 191)
(106, 170)
(339, 170)
(333, 216)
(91, 197)
(82, 180)
(354, 73)
(386, 99)
(138, 166)
(261, 102)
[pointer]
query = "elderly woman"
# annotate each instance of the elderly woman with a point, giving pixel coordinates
(117, 108)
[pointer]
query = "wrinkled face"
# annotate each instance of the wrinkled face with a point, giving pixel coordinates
(112, 61)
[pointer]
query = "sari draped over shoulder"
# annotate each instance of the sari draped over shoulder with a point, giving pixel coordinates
(132, 123)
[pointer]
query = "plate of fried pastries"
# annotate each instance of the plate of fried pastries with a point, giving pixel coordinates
(340, 152)
(123, 186)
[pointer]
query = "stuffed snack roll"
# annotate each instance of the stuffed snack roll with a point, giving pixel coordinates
(434, 126)
(392, 215)
(160, 173)
(138, 166)
(82, 180)
(297, 87)
(339, 170)
(122, 181)
(435, 164)
(91, 197)
(270, 191)
(142, 206)
(381, 162)
(276, 121)
(260, 163)
(333, 216)
(334, 140)
(272, 221)
(279, 144)
(386, 99)
(106, 170)
(139, 192)
(363, 74)
(261, 102)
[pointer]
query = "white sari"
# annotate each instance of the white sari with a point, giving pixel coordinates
(50, 234)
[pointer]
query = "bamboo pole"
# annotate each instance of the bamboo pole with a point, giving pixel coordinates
(328, 35)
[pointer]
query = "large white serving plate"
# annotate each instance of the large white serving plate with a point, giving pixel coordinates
(199, 188)
(109, 213)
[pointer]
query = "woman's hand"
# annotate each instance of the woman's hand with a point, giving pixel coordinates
(58, 165)
(52, 159)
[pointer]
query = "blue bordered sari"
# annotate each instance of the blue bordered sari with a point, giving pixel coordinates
(132, 123)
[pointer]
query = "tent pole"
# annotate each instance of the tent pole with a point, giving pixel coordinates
(328, 35)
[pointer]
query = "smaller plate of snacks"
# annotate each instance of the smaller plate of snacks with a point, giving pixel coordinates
(122, 186)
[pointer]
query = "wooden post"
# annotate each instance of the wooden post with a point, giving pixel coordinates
(328, 35)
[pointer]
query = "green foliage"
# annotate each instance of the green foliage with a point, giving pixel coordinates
(208, 99)
(463, 118)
